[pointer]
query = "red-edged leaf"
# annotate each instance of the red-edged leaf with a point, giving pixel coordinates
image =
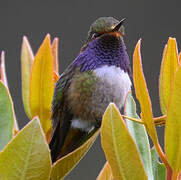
(27, 58)
(119, 148)
(105, 173)
(3, 69)
(6, 116)
(169, 66)
(173, 125)
(142, 93)
(55, 54)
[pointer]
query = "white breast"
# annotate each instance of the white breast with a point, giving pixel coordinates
(113, 86)
(118, 80)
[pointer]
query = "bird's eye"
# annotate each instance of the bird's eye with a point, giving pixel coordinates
(95, 35)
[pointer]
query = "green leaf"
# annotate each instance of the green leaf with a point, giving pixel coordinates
(27, 155)
(6, 116)
(3, 77)
(159, 170)
(173, 125)
(3, 70)
(64, 165)
(120, 150)
(139, 134)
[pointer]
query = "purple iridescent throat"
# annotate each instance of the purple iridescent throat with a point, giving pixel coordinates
(107, 50)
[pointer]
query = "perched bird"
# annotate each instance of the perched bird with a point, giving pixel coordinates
(100, 74)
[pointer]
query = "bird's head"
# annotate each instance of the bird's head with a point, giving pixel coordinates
(103, 28)
(106, 26)
(104, 46)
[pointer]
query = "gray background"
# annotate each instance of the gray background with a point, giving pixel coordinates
(153, 21)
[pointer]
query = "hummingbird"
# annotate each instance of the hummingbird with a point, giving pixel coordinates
(100, 74)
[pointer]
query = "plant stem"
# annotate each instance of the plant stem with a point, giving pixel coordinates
(133, 119)
(158, 120)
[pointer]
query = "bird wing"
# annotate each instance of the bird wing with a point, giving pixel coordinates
(58, 98)
(61, 86)
(64, 138)
(61, 115)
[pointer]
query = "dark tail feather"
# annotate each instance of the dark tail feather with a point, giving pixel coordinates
(72, 141)
(58, 139)
(66, 139)
(75, 139)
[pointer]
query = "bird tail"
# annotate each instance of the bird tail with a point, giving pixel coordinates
(58, 138)
(66, 139)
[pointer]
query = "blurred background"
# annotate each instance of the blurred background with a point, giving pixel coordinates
(152, 21)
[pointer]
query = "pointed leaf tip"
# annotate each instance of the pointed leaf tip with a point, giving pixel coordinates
(27, 155)
(48, 37)
(105, 173)
(142, 93)
(169, 65)
(5, 82)
(42, 84)
(25, 39)
(55, 54)
(27, 58)
(120, 149)
(3, 69)
(162, 101)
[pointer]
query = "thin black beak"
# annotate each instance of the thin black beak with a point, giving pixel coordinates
(117, 27)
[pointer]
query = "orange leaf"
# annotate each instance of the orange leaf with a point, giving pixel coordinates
(55, 54)
(41, 84)
(162, 103)
(168, 68)
(55, 77)
(142, 93)
(173, 126)
(105, 173)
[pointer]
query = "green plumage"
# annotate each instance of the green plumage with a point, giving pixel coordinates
(71, 96)
(80, 94)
